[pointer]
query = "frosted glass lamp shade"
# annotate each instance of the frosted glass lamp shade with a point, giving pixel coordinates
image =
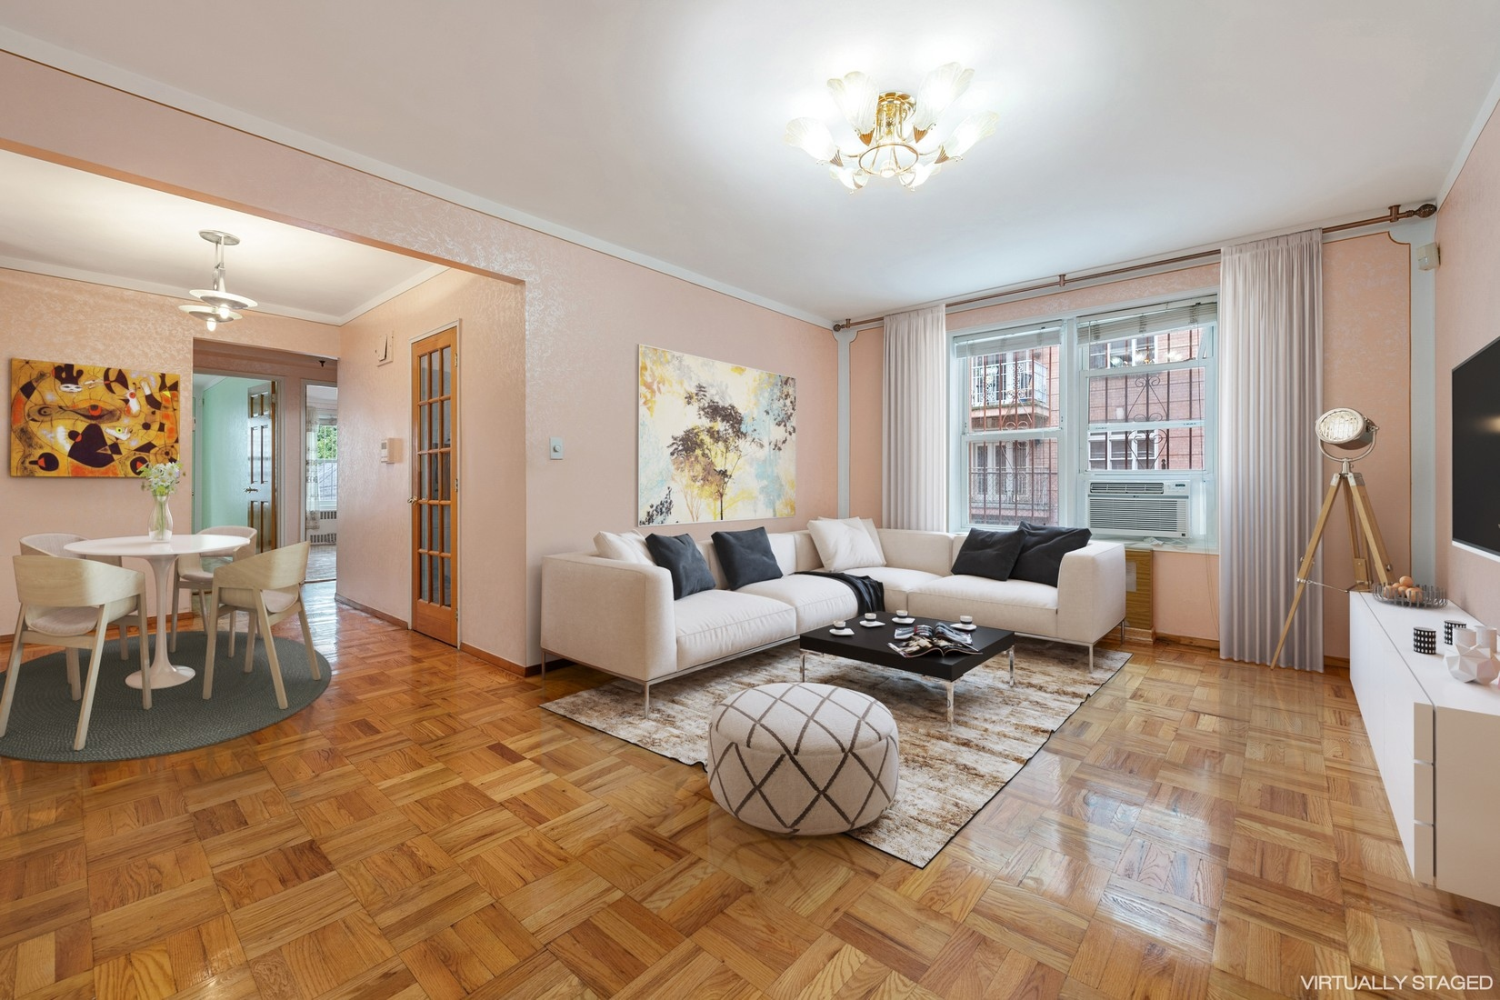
(856, 96)
(970, 131)
(851, 177)
(918, 175)
(212, 315)
(812, 137)
(942, 87)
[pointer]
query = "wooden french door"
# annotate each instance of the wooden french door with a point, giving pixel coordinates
(261, 506)
(434, 501)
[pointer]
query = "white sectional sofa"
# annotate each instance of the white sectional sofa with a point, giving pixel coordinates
(619, 616)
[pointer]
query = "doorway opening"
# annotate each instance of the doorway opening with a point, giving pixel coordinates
(321, 505)
(233, 451)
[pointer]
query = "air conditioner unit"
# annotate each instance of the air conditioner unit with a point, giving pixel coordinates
(1140, 509)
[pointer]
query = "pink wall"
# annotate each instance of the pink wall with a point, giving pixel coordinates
(585, 311)
(491, 428)
(46, 319)
(582, 382)
(1468, 304)
(1367, 366)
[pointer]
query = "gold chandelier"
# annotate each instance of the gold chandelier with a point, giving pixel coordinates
(895, 132)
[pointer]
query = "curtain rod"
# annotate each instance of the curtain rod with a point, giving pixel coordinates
(1061, 281)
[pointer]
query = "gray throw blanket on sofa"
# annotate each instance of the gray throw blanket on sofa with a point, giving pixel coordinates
(869, 594)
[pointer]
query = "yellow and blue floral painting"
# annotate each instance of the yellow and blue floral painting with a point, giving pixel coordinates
(716, 441)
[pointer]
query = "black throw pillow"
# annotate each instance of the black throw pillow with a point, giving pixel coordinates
(989, 553)
(679, 555)
(746, 557)
(1042, 551)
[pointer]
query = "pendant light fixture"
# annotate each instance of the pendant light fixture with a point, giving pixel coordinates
(218, 303)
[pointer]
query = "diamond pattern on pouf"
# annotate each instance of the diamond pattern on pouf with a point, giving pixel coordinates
(804, 759)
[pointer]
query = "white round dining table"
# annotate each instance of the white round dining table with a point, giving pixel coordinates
(161, 556)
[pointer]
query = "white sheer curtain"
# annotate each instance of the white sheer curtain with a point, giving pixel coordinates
(914, 420)
(1270, 479)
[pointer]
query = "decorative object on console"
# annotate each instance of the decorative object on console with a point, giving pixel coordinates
(679, 556)
(1448, 628)
(1411, 595)
(161, 482)
(715, 441)
(1424, 640)
(746, 557)
(1354, 435)
(895, 133)
(1473, 656)
(218, 304)
(90, 421)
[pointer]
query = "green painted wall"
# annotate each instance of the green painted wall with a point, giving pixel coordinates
(221, 446)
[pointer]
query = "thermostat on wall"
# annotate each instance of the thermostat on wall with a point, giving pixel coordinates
(390, 450)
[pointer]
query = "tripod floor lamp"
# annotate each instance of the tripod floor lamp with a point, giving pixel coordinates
(1353, 434)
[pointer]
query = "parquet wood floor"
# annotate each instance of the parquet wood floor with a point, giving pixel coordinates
(1198, 829)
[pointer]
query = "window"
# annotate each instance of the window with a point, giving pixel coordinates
(1134, 403)
(1010, 427)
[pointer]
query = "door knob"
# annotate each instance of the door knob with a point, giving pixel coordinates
(251, 489)
(411, 499)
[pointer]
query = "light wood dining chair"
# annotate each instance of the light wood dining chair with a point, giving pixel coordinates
(269, 586)
(189, 573)
(51, 544)
(71, 603)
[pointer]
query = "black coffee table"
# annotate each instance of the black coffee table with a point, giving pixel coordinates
(871, 645)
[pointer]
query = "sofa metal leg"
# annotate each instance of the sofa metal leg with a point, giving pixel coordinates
(1011, 655)
(1122, 631)
(1091, 657)
(544, 668)
(804, 665)
(646, 692)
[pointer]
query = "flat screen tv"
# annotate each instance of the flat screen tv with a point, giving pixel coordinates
(1476, 451)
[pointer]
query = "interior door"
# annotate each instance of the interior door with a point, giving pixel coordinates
(261, 499)
(434, 500)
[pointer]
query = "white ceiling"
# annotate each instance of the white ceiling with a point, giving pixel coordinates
(1128, 128)
(57, 220)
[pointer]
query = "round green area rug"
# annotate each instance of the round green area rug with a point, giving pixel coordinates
(44, 717)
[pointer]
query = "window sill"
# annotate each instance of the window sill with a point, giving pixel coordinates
(1195, 548)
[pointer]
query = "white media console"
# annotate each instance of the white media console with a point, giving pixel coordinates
(1437, 742)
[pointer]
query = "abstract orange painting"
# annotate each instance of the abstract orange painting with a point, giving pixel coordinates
(85, 420)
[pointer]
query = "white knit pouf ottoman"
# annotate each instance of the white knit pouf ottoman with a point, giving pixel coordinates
(803, 759)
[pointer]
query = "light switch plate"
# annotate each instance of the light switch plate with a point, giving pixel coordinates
(555, 451)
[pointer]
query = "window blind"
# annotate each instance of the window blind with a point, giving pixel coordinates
(1145, 322)
(1024, 338)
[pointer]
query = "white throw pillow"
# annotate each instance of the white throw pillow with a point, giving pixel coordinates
(845, 544)
(628, 547)
(874, 533)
